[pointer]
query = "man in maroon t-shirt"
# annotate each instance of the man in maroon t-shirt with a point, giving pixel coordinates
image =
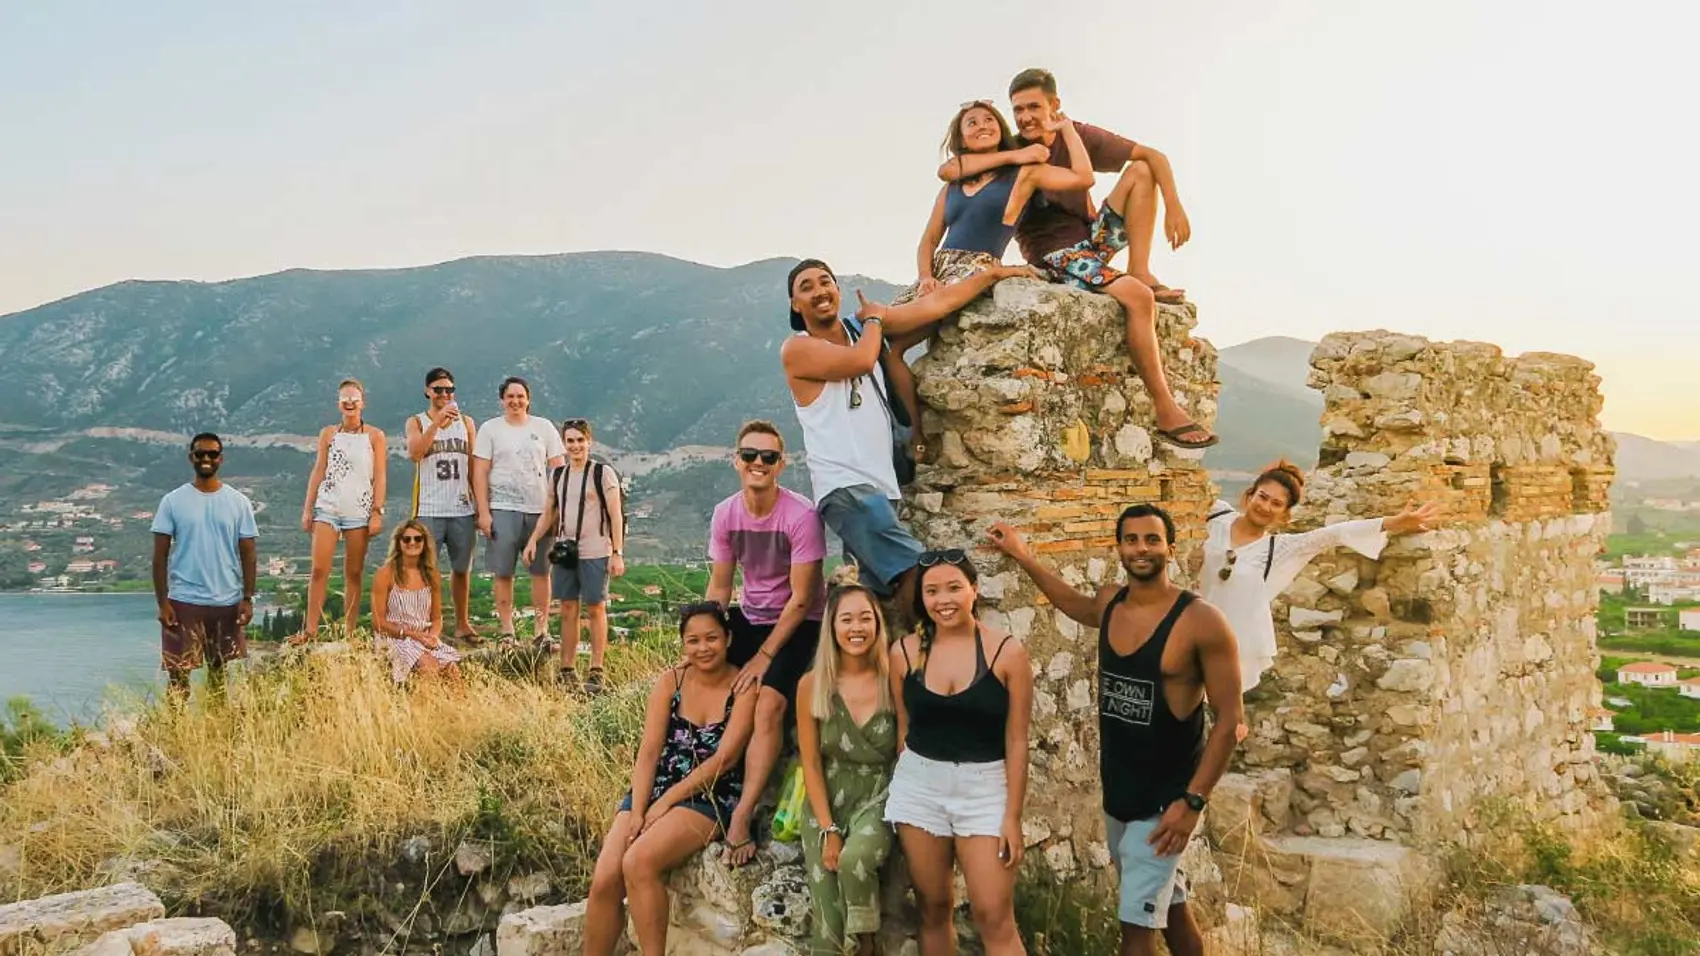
(1061, 236)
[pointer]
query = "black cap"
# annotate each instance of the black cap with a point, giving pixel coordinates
(797, 323)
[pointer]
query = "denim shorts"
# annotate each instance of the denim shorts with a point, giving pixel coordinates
(866, 521)
(947, 799)
(1150, 883)
(694, 804)
(340, 522)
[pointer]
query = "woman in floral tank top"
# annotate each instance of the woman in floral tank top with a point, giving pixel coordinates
(687, 778)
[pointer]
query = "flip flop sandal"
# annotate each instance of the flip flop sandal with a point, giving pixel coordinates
(733, 848)
(1172, 436)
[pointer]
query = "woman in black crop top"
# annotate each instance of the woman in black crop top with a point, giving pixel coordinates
(964, 694)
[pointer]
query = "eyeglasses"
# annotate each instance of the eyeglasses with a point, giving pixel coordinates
(206, 455)
(412, 539)
(1228, 569)
(442, 390)
(955, 556)
(856, 392)
(767, 455)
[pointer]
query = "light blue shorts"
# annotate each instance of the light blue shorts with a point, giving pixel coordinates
(340, 522)
(866, 521)
(1150, 883)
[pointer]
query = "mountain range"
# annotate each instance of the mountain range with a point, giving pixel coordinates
(665, 357)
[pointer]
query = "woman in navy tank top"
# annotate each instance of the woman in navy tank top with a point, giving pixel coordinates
(964, 695)
(972, 222)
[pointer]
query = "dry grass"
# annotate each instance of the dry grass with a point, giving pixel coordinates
(306, 780)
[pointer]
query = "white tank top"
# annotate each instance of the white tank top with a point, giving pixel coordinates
(849, 446)
(346, 489)
(441, 480)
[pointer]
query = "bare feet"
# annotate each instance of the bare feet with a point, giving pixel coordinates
(740, 848)
(299, 638)
(1016, 272)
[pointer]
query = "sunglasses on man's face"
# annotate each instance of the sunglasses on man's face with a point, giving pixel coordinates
(955, 556)
(442, 390)
(206, 455)
(412, 539)
(767, 455)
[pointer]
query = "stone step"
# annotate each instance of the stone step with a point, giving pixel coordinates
(182, 936)
(67, 919)
(1349, 891)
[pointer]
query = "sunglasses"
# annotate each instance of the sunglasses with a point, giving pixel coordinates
(1228, 569)
(955, 556)
(856, 392)
(348, 402)
(206, 455)
(768, 456)
(442, 390)
(973, 103)
(412, 539)
(575, 424)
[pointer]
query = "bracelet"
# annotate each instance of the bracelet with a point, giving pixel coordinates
(765, 652)
(834, 828)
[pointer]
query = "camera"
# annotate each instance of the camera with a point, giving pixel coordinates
(564, 553)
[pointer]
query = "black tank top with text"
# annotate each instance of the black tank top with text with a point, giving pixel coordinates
(1146, 755)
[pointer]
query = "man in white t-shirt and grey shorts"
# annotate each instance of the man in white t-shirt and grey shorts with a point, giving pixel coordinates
(511, 462)
(440, 440)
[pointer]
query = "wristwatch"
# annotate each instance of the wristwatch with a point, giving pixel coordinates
(1196, 801)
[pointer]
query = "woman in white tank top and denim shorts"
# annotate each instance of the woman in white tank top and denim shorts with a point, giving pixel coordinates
(345, 499)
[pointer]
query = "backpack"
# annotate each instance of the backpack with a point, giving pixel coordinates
(1268, 559)
(896, 414)
(597, 470)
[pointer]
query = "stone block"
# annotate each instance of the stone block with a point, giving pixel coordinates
(67, 919)
(548, 931)
(183, 936)
(1358, 891)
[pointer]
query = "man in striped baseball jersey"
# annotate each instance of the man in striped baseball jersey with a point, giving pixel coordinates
(439, 440)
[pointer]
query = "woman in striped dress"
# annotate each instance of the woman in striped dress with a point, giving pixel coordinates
(407, 611)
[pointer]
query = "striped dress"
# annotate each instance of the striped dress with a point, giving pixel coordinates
(411, 607)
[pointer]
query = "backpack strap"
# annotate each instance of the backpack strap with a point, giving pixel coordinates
(1217, 514)
(1269, 559)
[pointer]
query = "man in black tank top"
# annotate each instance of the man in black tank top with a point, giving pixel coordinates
(1161, 650)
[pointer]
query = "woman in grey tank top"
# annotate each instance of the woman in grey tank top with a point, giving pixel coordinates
(972, 222)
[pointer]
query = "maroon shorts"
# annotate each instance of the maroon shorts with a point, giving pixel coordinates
(202, 634)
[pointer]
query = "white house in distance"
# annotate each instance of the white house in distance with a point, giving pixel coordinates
(1675, 747)
(1599, 720)
(1688, 619)
(1648, 673)
(1689, 687)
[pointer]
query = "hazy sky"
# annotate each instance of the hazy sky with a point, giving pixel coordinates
(1523, 173)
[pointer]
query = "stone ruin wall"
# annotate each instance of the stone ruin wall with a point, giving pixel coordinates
(1041, 422)
(1460, 666)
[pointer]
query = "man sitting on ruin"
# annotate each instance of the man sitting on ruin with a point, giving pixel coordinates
(840, 388)
(1071, 245)
(1161, 649)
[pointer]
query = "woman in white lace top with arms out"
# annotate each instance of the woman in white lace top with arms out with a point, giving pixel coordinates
(1247, 565)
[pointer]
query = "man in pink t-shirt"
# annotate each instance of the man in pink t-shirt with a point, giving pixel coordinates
(777, 538)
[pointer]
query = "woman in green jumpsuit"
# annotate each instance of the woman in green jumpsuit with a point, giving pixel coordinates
(847, 738)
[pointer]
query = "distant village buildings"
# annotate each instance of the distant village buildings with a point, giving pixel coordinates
(1647, 674)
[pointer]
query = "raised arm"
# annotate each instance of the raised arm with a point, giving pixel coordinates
(1218, 657)
(818, 360)
(1016, 672)
(1081, 608)
(973, 164)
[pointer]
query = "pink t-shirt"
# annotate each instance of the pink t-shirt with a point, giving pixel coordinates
(766, 548)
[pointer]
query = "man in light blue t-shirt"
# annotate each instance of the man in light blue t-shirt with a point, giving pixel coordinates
(204, 571)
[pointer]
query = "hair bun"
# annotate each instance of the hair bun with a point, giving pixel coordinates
(844, 576)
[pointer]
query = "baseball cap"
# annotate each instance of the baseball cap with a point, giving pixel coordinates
(797, 324)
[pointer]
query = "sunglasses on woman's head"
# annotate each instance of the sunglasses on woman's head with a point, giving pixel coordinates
(973, 103)
(955, 556)
(412, 539)
(575, 424)
(767, 455)
(1228, 569)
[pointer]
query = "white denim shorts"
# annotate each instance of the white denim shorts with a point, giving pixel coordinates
(947, 799)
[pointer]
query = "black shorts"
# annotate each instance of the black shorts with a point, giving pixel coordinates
(789, 665)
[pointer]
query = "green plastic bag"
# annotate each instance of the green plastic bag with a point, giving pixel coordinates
(793, 803)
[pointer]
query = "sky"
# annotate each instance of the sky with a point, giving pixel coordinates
(1515, 172)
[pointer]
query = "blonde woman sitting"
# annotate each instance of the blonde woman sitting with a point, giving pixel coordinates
(407, 609)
